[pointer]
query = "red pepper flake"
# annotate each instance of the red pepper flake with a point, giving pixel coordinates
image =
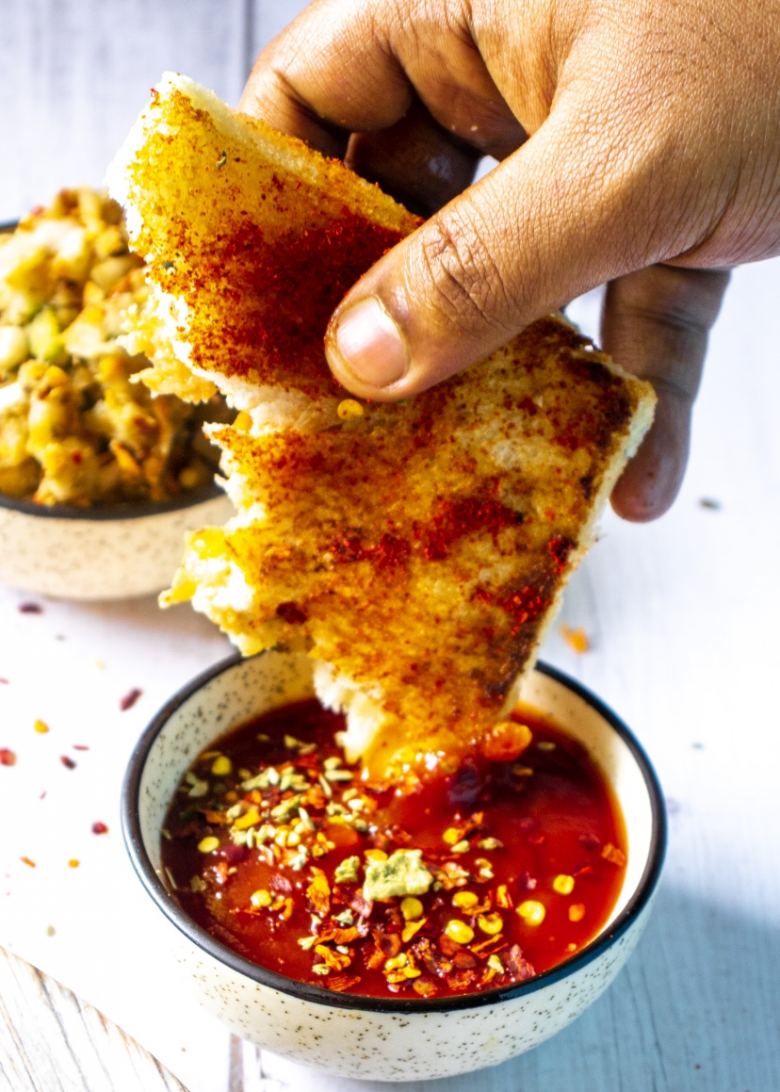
(67, 762)
(80, 747)
(522, 604)
(575, 638)
(99, 828)
(341, 982)
(3, 681)
(30, 608)
(130, 698)
(614, 855)
(30, 863)
(559, 547)
(7, 757)
(388, 552)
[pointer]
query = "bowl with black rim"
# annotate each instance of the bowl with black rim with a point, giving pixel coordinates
(390, 1039)
(110, 551)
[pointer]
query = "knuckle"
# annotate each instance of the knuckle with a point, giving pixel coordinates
(458, 276)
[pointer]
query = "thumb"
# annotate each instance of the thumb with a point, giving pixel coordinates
(555, 218)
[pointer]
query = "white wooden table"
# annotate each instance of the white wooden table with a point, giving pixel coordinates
(683, 615)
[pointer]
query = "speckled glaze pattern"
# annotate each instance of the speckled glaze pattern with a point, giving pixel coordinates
(383, 1039)
(94, 556)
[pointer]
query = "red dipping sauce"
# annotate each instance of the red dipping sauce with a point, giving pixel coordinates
(483, 878)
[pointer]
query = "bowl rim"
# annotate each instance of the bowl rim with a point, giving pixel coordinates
(123, 510)
(159, 893)
(119, 511)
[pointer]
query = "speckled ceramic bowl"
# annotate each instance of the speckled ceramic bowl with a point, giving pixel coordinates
(115, 552)
(384, 1039)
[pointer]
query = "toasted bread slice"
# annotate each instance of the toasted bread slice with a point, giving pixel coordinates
(251, 241)
(417, 551)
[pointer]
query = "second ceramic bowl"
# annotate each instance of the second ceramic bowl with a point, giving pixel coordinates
(115, 552)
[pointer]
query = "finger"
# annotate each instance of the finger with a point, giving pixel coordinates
(347, 66)
(655, 324)
(415, 160)
(557, 217)
(327, 74)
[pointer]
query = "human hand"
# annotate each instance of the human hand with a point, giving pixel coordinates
(638, 144)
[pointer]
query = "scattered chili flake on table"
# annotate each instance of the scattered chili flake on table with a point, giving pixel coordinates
(130, 698)
(28, 862)
(67, 762)
(30, 608)
(80, 747)
(576, 639)
(7, 757)
(99, 828)
(41, 727)
(481, 878)
(74, 862)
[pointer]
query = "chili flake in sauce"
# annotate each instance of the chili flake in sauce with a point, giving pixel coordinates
(482, 878)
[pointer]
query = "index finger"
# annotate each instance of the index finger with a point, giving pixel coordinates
(320, 78)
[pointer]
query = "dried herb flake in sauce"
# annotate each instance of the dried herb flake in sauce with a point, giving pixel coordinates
(481, 878)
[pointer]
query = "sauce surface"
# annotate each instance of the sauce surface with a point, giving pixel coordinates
(482, 878)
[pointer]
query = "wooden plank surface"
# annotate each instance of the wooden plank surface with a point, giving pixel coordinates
(50, 1041)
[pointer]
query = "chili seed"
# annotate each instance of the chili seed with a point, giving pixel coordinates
(563, 884)
(459, 931)
(208, 844)
(489, 843)
(532, 912)
(260, 898)
(221, 766)
(492, 924)
(577, 911)
(464, 900)
(411, 908)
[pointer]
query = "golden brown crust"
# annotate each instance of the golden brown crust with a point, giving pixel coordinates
(418, 549)
(254, 235)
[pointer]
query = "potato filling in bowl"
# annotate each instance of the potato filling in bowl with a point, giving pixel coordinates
(75, 428)
(482, 878)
